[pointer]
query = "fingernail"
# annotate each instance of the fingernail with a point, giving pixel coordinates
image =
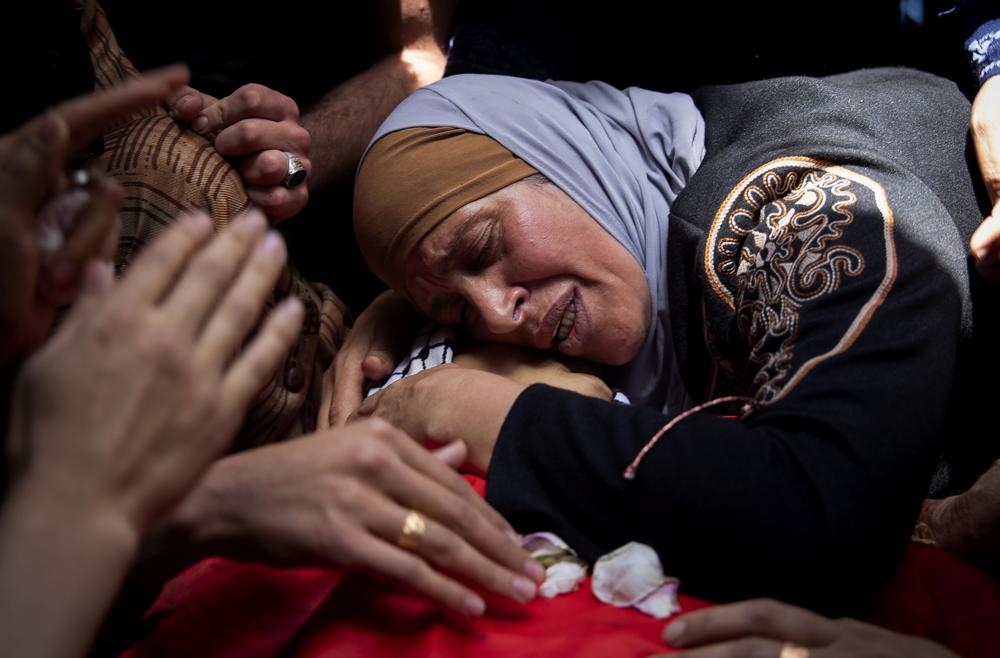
(273, 245)
(524, 589)
(292, 306)
(514, 537)
(474, 606)
(199, 124)
(534, 570)
(674, 632)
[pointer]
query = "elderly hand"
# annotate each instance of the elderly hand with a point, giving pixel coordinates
(32, 158)
(448, 403)
(373, 347)
(259, 129)
(139, 389)
(985, 121)
(341, 497)
(765, 628)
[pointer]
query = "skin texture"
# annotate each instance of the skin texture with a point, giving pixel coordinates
(32, 160)
(759, 629)
(118, 415)
(505, 268)
(985, 122)
(340, 497)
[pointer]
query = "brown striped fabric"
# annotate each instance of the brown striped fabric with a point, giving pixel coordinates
(167, 169)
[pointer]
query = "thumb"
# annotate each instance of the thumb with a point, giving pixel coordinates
(33, 156)
(377, 365)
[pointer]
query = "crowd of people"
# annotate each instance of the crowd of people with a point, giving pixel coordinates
(815, 256)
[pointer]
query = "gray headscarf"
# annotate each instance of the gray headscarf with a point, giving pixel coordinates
(622, 155)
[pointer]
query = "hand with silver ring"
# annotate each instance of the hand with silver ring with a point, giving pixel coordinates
(767, 628)
(296, 171)
(258, 129)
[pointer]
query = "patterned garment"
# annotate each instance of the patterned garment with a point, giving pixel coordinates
(167, 169)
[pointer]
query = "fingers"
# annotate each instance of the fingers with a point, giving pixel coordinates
(187, 103)
(758, 618)
(323, 421)
(421, 460)
(377, 365)
(33, 157)
(88, 116)
(252, 135)
(405, 567)
(985, 124)
(269, 167)
(238, 312)
(459, 536)
(279, 202)
(750, 647)
(211, 272)
(158, 265)
(258, 362)
(95, 228)
(348, 384)
(251, 101)
(985, 246)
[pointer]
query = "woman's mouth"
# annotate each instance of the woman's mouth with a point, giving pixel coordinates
(566, 323)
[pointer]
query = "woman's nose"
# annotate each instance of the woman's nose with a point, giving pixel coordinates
(500, 308)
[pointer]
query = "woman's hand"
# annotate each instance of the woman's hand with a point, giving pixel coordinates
(373, 347)
(117, 416)
(448, 403)
(985, 121)
(764, 628)
(257, 127)
(340, 498)
(139, 390)
(31, 176)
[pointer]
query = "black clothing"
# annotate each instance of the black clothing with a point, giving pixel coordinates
(816, 263)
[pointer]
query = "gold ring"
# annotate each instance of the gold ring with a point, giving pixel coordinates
(792, 650)
(412, 530)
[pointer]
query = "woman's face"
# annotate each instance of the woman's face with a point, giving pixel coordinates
(527, 265)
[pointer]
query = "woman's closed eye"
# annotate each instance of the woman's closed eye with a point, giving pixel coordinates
(486, 245)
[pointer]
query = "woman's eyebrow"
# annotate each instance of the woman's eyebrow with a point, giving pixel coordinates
(453, 249)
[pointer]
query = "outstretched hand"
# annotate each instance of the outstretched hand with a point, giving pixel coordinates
(138, 391)
(35, 280)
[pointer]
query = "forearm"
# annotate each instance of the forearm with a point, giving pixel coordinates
(345, 119)
(771, 506)
(60, 568)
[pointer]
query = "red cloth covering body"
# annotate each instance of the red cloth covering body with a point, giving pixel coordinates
(219, 608)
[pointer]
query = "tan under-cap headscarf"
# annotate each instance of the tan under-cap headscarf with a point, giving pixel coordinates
(411, 180)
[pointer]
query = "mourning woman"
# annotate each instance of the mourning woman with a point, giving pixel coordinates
(774, 272)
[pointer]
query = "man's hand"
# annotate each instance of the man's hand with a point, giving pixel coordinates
(257, 128)
(985, 121)
(763, 628)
